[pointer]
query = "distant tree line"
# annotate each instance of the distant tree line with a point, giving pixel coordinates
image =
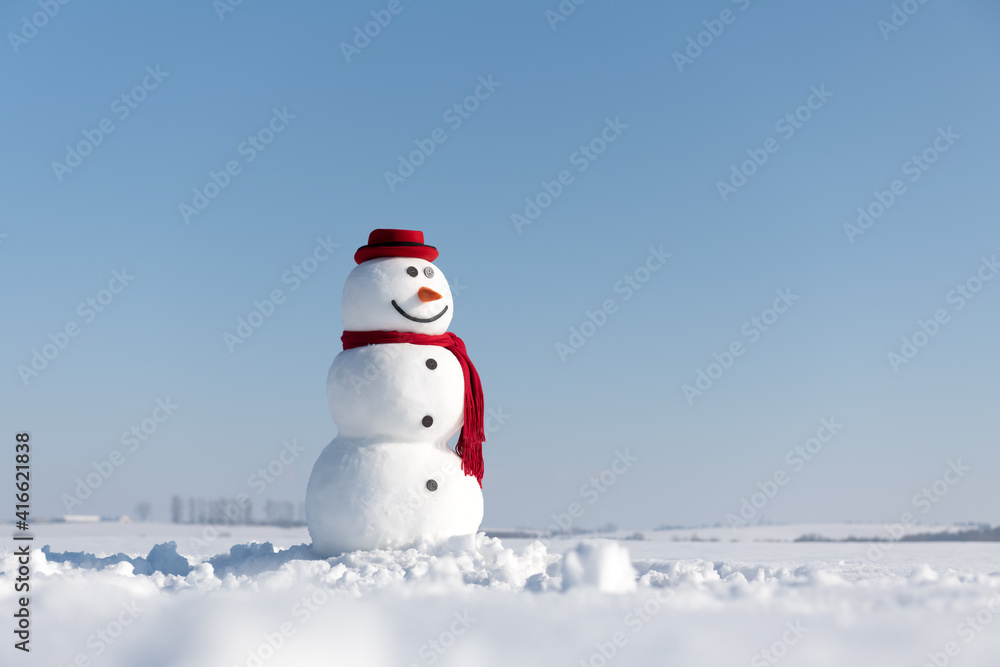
(229, 512)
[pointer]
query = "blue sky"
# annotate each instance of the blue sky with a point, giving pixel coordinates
(222, 79)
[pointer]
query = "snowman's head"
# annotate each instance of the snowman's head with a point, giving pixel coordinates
(397, 294)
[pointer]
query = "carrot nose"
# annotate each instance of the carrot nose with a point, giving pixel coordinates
(427, 294)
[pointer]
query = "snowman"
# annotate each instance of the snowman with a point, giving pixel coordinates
(398, 392)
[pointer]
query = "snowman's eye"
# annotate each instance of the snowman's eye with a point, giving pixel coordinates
(429, 272)
(412, 271)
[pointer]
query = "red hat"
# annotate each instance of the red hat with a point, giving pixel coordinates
(395, 243)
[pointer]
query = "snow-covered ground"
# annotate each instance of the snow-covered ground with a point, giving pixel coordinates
(226, 599)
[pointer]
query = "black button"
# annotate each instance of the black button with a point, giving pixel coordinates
(431, 364)
(427, 421)
(412, 270)
(432, 485)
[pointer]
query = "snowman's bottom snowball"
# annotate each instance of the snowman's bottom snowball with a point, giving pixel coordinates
(389, 496)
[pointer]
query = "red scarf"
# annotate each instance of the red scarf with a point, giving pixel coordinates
(470, 440)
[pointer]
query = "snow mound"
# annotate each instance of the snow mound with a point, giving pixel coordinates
(605, 565)
(474, 560)
(161, 558)
(476, 601)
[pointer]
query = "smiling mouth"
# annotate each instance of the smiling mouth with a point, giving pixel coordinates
(417, 319)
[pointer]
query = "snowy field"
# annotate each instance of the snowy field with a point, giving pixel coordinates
(103, 595)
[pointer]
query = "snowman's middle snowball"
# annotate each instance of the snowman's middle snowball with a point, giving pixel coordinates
(385, 392)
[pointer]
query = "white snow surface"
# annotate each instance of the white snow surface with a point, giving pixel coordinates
(143, 594)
